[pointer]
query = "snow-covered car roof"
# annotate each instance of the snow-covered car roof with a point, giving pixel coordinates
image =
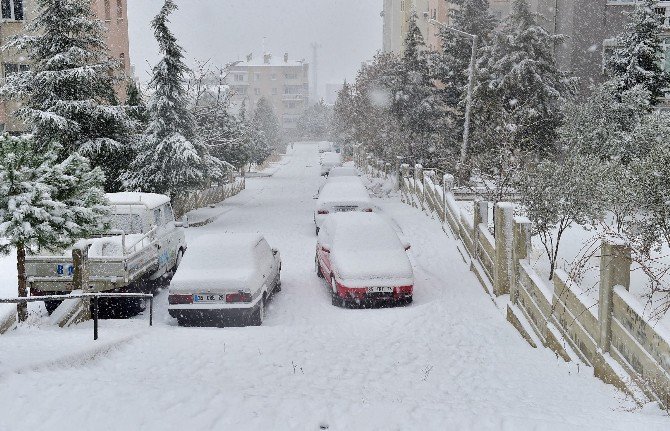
(149, 200)
(213, 262)
(364, 247)
(343, 171)
(343, 191)
(330, 157)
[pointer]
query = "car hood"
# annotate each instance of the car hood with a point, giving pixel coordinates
(373, 267)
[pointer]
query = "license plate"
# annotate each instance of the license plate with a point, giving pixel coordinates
(345, 209)
(380, 290)
(209, 298)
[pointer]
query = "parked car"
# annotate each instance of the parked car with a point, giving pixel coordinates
(144, 246)
(326, 146)
(343, 171)
(341, 196)
(329, 161)
(225, 280)
(363, 260)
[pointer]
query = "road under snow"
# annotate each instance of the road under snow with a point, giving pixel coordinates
(448, 361)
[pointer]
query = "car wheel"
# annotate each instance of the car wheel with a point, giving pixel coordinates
(278, 287)
(318, 267)
(180, 256)
(259, 313)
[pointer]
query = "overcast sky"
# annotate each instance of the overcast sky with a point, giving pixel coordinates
(350, 31)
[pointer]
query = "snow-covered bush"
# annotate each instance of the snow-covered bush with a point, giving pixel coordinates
(45, 203)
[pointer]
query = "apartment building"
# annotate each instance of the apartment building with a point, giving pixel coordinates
(15, 15)
(283, 82)
(589, 27)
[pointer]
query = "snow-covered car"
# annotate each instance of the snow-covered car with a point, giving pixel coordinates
(145, 244)
(341, 196)
(325, 146)
(363, 260)
(328, 161)
(225, 280)
(343, 171)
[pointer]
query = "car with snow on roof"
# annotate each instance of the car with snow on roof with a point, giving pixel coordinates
(328, 161)
(229, 283)
(343, 171)
(341, 195)
(140, 252)
(364, 261)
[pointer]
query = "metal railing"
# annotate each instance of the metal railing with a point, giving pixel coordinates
(94, 296)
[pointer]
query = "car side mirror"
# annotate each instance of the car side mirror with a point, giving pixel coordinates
(407, 246)
(274, 251)
(183, 223)
(325, 249)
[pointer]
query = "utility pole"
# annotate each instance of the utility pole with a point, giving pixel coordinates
(315, 73)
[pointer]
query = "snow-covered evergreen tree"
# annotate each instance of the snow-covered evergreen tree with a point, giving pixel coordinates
(137, 108)
(315, 122)
(414, 101)
(171, 159)
(67, 98)
(518, 80)
(638, 57)
(342, 126)
(266, 121)
(45, 203)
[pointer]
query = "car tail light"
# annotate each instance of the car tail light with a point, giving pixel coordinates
(238, 297)
(367, 210)
(322, 212)
(180, 299)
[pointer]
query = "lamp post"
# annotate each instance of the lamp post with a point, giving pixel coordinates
(471, 83)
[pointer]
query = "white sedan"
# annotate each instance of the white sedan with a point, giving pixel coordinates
(224, 280)
(363, 260)
(341, 195)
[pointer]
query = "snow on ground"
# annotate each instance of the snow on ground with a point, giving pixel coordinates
(448, 361)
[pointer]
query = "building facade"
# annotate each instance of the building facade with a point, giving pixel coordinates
(15, 15)
(283, 82)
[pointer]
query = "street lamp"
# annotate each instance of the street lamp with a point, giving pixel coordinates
(471, 82)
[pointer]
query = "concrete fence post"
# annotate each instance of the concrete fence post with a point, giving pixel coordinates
(447, 187)
(368, 165)
(520, 251)
(504, 227)
(398, 164)
(481, 216)
(615, 264)
(418, 177)
(80, 278)
(428, 175)
(387, 170)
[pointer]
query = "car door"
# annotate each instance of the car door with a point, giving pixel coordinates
(323, 244)
(162, 242)
(174, 237)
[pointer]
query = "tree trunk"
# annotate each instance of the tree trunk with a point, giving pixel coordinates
(22, 308)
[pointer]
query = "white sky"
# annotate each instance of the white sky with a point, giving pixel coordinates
(350, 31)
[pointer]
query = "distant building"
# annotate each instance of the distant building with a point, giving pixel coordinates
(590, 27)
(283, 82)
(15, 14)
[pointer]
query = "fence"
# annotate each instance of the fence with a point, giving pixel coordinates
(195, 200)
(611, 335)
(83, 300)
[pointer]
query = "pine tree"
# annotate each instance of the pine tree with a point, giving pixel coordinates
(315, 122)
(136, 105)
(67, 98)
(519, 87)
(414, 103)
(170, 157)
(45, 203)
(342, 126)
(639, 54)
(266, 121)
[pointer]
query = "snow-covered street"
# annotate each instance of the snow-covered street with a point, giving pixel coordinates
(450, 361)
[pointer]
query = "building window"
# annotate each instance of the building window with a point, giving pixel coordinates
(664, 15)
(257, 91)
(119, 9)
(108, 10)
(290, 76)
(10, 68)
(122, 61)
(665, 46)
(238, 77)
(12, 10)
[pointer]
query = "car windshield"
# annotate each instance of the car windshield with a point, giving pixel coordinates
(128, 223)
